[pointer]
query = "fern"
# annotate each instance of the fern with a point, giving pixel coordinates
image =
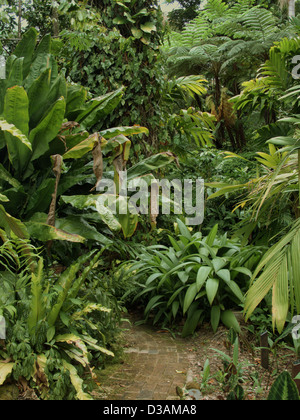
(260, 22)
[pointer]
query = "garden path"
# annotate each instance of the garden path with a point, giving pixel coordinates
(155, 364)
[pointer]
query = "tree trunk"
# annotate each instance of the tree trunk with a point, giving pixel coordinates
(55, 21)
(20, 19)
(291, 8)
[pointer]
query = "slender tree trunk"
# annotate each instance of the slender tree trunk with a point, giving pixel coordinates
(20, 19)
(291, 8)
(55, 21)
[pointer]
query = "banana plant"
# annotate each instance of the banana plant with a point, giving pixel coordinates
(44, 123)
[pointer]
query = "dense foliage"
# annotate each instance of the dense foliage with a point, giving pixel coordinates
(98, 91)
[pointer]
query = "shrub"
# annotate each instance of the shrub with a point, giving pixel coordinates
(195, 275)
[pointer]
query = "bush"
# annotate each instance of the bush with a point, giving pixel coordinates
(193, 277)
(54, 332)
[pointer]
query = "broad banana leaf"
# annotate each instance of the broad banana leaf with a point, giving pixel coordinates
(77, 225)
(36, 94)
(44, 233)
(151, 164)
(16, 105)
(47, 130)
(12, 225)
(82, 202)
(26, 47)
(18, 146)
(125, 131)
(98, 108)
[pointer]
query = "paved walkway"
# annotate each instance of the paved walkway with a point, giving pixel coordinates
(155, 364)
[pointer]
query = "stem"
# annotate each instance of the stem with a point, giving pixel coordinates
(20, 19)
(299, 176)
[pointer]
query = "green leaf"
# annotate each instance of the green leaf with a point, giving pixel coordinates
(50, 334)
(16, 106)
(229, 320)
(125, 131)
(98, 108)
(37, 309)
(284, 389)
(26, 47)
(47, 130)
(3, 198)
(84, 201)
(10, 224)
(65, 281)
(150, 164)
(79, 226)
(212, 286)
(189, 297)
(137, 33)
(15, 141)
(212, 236)
(45, 233)
(37, 93)
(119, 20)
(82, 148)
(148, 27)
(202, 276)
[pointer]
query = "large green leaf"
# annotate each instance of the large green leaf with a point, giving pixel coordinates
(37, 93)
(10, 224)
(45, 233)
(18, 145)
(151, 164)
(212, 286)
(82, 148)
(77, 382)
(125, 131)
(83, 202)
(47, 130)
(16, 108)
(41, 64)
(98, 108)
(79, 226)
(26, 47)
(37, 309)
(129, 220)
(65, 281)
(76, 98)
(189, 297)
(40, 200)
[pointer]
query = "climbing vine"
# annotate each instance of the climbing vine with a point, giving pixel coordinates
(125, 51)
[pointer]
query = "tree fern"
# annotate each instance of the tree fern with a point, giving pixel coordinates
(261, 22)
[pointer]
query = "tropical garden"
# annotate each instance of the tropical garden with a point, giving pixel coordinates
(101, 93)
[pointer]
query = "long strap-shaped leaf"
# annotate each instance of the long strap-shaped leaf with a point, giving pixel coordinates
(65, 281)
(37, 310)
